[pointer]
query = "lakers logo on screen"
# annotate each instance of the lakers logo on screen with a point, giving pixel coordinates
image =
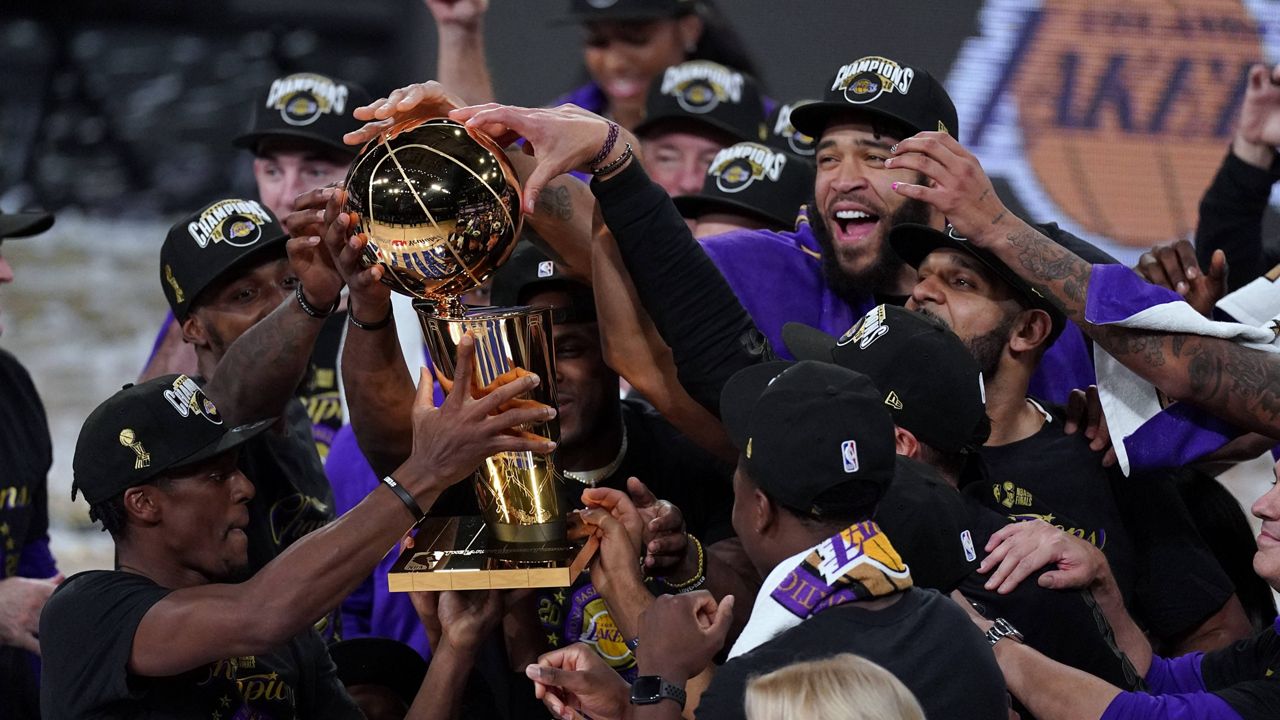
(1108, 117)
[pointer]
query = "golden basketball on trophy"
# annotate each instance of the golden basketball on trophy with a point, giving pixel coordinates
(440, 205)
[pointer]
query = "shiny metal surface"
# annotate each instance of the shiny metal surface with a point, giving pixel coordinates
(516, 491)
(440, 204)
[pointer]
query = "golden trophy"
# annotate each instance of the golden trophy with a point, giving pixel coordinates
(440, 205)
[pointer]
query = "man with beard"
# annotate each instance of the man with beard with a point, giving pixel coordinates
(1037, 471)
(837, 264)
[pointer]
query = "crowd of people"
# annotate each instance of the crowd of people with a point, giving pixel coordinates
(854, 439)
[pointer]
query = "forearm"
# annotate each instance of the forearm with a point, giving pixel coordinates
(562, 217)
(440, 696)
(461, 64)
(694, 309)
(1129, 637)
(379, 389)
(627, 601)
(261, 370)
(1049, 689)
(1240, 385)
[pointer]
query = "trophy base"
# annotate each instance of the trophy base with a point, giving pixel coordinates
(463, 553)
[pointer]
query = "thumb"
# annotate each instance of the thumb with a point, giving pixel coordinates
(724, 616)
(1053, 580)
(1218, 266)
(541, 175)
(640, 494)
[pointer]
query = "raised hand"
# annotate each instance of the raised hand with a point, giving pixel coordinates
(460, 13)
(1175, 266)
(616, 564)
(1260, 111)
(664, 540)
(958, 186)
(419, 101)
(1084, 410)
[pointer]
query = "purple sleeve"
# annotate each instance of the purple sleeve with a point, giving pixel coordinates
(1175, 675)
(36, 560)
(1188, 706)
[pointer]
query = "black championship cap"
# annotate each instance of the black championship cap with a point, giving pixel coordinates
(813, 435)
(589, 10)
(927, 378)
(308, 106)
(931, 525)
(380, 661)
(145, 429)
(24, 224)
(885, 88)
(913, 243)
(781, 134)
(528, 271)
(755, 180)
(221, 236)
(705, 93)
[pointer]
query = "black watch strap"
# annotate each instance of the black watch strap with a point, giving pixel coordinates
(652, 689)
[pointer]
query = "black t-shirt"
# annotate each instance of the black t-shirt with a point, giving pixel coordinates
(86, 636)
(942, 533)
(674, 469)
(1247, 675)
(25, 457)
(924, 639)
(1169, 578)
(292, 495)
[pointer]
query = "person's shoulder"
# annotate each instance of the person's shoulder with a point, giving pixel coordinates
(101, 584)
(98, 601)
(765, 240)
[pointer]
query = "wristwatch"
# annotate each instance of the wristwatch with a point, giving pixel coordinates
(1002, 629)
(652, 689)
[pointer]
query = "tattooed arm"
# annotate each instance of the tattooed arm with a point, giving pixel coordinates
(1240, 385)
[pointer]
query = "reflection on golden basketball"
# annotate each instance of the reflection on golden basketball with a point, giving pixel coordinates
(440, 204)
(1127, 109)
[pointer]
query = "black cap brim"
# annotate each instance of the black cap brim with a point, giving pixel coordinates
(249, 141)
(811, 118)
(808, 343)
(741, 393)
(26, 224)
(233, 439)
(695, 206)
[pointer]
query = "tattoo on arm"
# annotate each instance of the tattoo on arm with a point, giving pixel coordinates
(556, 202)
(1055, 271)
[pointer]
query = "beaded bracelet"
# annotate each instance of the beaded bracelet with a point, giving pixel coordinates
(606, 148)
(385, 321)
(617, 163)
(312, 310)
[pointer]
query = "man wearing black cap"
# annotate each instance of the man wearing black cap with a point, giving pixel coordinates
(253, 316)
(1038, 471)
(933, 389)
(28, 573)
(749, 186)
(817, 458)
(165, 633)
(295, 135)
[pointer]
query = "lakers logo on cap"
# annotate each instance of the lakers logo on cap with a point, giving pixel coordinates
(866, 79)
(129, 439)
(736, 167)
(304, 97)
(700, 86)
(235, 222)
(186, 397)
(799, 143)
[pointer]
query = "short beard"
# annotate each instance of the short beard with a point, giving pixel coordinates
(852, 287)
(986, 349)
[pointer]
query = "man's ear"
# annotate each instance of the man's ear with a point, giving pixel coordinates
(764, 514)
(194, 332)
(906, 444)
(141, 504)
(1031, 331)
(690, 28)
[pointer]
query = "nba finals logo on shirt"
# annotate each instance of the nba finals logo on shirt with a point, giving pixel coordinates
(1109, 118)
(186, 397)
(699, 87)
(235, 222)
(736, 167)
(304, 97)
(865, 80)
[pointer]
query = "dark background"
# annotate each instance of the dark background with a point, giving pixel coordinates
(127, 108)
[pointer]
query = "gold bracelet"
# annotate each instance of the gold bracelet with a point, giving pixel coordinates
(698, 577)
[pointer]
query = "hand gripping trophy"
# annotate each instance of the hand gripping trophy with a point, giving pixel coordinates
(440, 205)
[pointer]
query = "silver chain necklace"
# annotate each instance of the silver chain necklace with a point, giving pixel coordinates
(592, 477)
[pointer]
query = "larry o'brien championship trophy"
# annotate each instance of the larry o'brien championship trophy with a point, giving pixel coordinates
(440, 206)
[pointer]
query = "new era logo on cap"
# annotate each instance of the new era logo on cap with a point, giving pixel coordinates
(302, 98)
(849, 455)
